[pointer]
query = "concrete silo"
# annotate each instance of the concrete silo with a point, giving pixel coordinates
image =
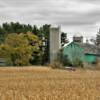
(55, 42)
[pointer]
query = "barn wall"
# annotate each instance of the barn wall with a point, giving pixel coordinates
(73, 51)
(89, 58)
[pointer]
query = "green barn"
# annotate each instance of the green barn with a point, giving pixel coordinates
(80, 51)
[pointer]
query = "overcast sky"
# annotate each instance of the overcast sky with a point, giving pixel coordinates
(74, 16)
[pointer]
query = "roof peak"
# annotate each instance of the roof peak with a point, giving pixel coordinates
(78, 35)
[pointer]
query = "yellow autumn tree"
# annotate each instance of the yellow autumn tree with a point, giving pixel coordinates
(18, 50)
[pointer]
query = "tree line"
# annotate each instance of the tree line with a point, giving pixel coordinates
(22, 44)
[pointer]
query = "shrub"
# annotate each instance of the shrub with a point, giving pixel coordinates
(65, 61)
(56, 65)
(77, 63)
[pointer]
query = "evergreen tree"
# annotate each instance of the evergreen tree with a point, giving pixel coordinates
(63, 38)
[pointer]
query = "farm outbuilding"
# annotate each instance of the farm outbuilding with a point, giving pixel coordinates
(84, 52)
(74, 51)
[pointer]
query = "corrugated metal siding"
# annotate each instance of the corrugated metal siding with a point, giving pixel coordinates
(73, 51)
(89, 58)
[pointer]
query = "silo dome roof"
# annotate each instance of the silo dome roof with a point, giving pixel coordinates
(78, 35)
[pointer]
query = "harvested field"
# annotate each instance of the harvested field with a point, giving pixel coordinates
(48, 84)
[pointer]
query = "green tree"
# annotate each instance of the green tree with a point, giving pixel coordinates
(17, 49)
(63, 38)
(35, 44)
(35, 30)
(45, 32)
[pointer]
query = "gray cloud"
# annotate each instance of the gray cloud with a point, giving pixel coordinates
(73, 15)
(90, 1)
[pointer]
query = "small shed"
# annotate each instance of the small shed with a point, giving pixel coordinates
(80, 51)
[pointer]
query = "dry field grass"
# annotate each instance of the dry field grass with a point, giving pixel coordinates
(47, 84)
